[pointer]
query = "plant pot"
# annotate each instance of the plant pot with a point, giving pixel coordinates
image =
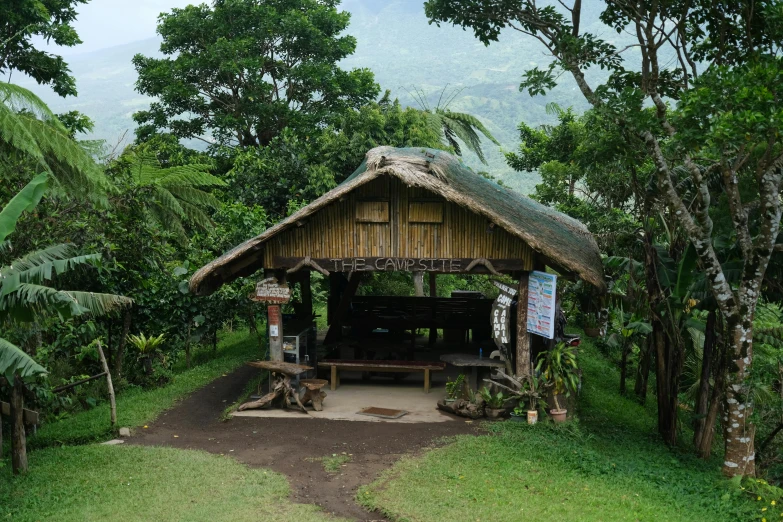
(593, 331)
(558, 415)
(517, 418)
(494, 413)
(532, 416)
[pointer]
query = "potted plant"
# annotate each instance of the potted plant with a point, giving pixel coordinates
(533, 396)
(591, 325)
(454, 389)
(519, 414)
(558, 368)
(493, 403)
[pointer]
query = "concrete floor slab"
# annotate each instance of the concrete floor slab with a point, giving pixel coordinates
(345, 402)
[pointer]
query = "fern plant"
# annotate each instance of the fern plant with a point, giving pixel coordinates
(28, 128)
(174, 196)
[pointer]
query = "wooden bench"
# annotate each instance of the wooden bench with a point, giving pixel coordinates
(381, 366)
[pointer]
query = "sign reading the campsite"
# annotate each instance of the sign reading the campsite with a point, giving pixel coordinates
(404, 264)
(541, 310)
(272, 292)
(501, 317)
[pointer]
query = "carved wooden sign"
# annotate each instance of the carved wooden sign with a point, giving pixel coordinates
(405, 264)
(501, 317)
(271, 292)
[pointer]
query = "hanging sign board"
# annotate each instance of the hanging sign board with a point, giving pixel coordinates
(271, 292)
(542, 288)
(501, 316)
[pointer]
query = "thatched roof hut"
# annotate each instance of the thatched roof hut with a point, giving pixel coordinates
(528, 229)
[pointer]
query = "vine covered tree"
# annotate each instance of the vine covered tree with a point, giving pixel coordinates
(239, 72)
(713, 73)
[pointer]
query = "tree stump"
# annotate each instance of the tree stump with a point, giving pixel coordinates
(313, 392)
(282, 391)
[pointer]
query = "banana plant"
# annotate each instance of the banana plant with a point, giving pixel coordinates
(25, 293)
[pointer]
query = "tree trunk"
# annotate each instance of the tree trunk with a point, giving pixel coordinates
(739, 431)
(704, 444)
(624, 365)
(667, 382)
(702, 399)
(18, 438)
(187, 345)
(643, 371)
(418, 283)
(126, 324)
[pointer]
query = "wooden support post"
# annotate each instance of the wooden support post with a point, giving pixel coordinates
(109, 384)
(275, 322)
(523, 362)
(426, 380)
(307, 295)
(433, 293)
(18, 437)
(334, 377)
(334, 333)
(336, 281)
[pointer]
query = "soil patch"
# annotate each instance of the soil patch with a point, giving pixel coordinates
(293, 446)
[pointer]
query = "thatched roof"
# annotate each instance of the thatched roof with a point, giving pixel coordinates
(565, 242)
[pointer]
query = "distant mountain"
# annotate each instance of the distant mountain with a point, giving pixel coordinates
(396, 42)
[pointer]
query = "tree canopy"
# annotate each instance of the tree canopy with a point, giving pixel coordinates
(238, 73)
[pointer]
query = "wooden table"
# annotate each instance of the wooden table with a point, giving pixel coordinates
(282, 391)
(471, 365)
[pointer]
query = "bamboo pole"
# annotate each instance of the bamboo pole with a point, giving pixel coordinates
(109, 384)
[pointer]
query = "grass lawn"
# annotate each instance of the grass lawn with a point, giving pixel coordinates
(608, 466)
(129, 483)
(137, 406)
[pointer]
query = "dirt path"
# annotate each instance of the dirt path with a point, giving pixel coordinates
(289, 446)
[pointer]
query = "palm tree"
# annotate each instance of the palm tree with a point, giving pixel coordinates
(455, 127)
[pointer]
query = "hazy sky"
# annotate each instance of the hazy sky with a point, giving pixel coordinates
(106, 23)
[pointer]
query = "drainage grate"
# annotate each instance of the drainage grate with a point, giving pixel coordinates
(383, 413)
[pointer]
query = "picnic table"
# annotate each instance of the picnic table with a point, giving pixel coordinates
(472, 365)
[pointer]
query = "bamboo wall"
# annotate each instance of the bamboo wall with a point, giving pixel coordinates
(386, 218)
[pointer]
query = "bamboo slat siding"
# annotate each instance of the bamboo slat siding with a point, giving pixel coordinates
(385, 217)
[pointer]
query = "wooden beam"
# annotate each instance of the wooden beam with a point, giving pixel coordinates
(307, 295)
(65, 387)
(30, 416)
(523, 365)
(433, 293)
(109, 384)
(334, 333)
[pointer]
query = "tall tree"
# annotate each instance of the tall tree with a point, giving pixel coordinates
(25, 22)
(720, 63)
(239, 72)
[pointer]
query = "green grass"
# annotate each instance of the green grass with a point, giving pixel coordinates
(137, 406)
(129, 483)
(609, 466)
(335, 462)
